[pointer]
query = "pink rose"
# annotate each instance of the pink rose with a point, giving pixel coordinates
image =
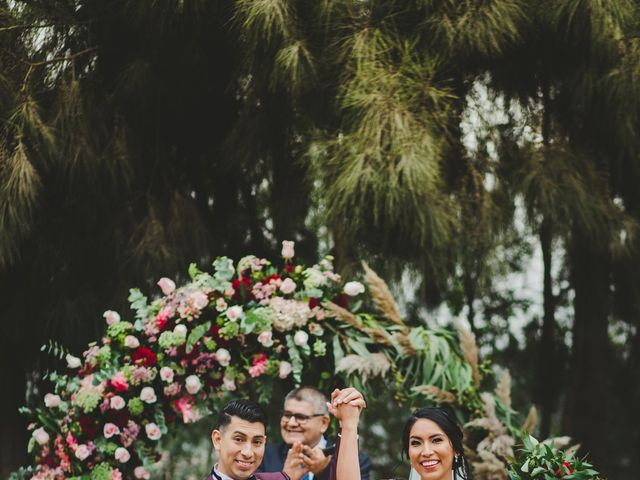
(131, 342)
(41, 436)
(288, 251)
(110, 430)
(288, 286)
(192, 384)
(265, 338)
(285, 369)
(234, 313)
(166, 285)
(117, 402)
(353, 288)
(153, 432)
(122, 455)
(82, 452)
(119, 382)
(111, 317)
(199, 300)
(148, 395)
(223, 356)
(116, 474)
(229, 384)
(166, 374)
(301, 338)
(51, 400)
(142, 473)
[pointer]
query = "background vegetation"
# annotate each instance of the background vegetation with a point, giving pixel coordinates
(454, 144)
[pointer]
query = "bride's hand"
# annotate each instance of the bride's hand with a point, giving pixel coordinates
(346, 405)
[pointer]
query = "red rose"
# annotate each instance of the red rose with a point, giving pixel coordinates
(242, 286)
(266, 280)
(144, 356)
(313, 303)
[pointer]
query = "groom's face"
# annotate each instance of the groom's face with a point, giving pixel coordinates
(240, 446)
(301, 423)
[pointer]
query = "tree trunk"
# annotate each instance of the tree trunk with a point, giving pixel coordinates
(548, 375)
(586, 416)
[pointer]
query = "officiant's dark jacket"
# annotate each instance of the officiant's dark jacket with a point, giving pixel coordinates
(276, 453)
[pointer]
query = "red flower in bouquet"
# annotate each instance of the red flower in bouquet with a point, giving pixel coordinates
(144, 356)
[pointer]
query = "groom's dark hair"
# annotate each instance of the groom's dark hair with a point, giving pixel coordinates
(244, 409)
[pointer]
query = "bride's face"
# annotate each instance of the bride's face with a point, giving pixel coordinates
(430, 451)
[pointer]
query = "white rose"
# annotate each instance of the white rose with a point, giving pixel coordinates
(301, 338)
(131, 342)
(41, 436)
(234, 313)
(265, 338)
(221, 305)
(353, 288)
(82, 452)
(117, 402)
(153, 432)
(51, 400)
(288, 286)
(166, 374)
(111, 317)
(285, 369)
(142, 473)
(180, 330)
(223, 356)
(288, 251)
(166, 285)
(148, 395)
(122, 455)
(73, 362)
(192, 384)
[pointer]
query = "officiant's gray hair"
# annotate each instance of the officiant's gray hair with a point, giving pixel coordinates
(312, 395)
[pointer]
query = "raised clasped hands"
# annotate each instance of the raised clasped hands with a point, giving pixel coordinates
(346, 405)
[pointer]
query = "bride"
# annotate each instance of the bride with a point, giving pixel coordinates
(431, 439)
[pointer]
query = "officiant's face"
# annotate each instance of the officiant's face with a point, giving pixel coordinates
(240, 446)
(301, 423)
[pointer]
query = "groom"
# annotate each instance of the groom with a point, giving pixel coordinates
(305, 453)
(240, 442)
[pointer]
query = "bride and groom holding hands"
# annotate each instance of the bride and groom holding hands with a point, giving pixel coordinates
(432, 441)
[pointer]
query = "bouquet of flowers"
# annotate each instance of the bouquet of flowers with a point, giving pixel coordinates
(542, 461)
(174, 360)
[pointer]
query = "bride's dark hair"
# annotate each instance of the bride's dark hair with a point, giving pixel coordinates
(451, 429)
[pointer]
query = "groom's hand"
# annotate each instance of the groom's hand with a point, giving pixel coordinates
(314, 459)
(294, 465)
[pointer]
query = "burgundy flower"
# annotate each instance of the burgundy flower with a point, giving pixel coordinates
(313, 303)
(88, 426)
(144, 356)
(242, 286)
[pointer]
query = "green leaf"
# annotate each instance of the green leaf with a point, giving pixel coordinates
(196, 334)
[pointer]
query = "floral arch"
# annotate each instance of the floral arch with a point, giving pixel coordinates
(243, 327)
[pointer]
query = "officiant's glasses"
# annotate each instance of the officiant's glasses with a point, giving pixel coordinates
(301, 418)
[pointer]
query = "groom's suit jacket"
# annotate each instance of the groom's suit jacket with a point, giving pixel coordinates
(276, 453)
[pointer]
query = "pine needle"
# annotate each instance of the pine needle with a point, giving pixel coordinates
(469, 349)
(503, 390)
(531, 421)
(382, 296)
(437, 394)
